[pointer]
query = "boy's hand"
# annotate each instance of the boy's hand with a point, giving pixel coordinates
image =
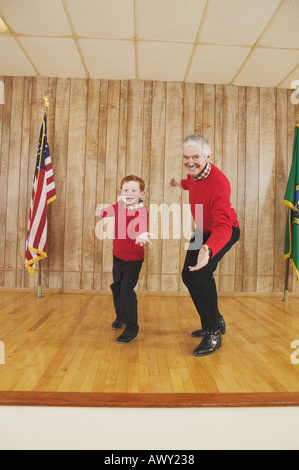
(175, 184)
(143, 239)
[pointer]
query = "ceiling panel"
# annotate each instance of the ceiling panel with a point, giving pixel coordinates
(163, 61)
(102, 18)
(292, 77)
(13, 61)
(36, 17)
(170, 20)
(283, 30)
(56, 64)
(267, 67)
(216, 64)
(237, 22)
(109, 59)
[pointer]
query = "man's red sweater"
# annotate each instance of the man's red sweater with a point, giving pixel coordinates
(213, 193)
(129, 224)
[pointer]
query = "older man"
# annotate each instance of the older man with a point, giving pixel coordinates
(217, 232)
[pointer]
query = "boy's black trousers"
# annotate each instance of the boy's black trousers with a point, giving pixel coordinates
(201, 284)
(125, 278)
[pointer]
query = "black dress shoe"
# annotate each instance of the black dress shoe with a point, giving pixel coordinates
(210, 343)
(117, 324)
(202, 333)
(125, 338)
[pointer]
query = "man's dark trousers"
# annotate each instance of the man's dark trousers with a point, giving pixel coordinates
(125, 277)
(201, 284)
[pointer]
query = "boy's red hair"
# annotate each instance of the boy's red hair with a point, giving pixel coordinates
(141, 183)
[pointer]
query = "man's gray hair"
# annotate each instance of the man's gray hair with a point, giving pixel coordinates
(195, 139)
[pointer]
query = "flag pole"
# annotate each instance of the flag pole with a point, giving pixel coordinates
(46, 104)
(286, 288)
(39, 283)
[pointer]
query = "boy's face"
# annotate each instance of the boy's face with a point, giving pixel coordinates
(131, 193)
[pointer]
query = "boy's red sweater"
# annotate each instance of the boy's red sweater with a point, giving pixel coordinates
(129, 224)
(219, 217)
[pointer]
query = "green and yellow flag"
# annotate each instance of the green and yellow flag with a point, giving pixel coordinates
(292, 201)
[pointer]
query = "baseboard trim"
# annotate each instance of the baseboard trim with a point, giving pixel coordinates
(46, 291)
(148, 400)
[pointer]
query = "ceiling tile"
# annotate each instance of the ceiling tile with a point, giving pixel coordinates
(283, 30)
(54, 57)
(292, 77)
(216, 64)
(109, 59)
(239, 22)
(13, 61)
(102, 18)
(163, 61)
(170, 20)
(36, 17)
(267, 67)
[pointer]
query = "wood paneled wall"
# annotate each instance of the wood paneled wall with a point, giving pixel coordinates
(99, 131)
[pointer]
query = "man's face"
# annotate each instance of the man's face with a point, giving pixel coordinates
(194, 160)
(131, 193)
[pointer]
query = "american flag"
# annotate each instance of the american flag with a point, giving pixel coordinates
(43, 194)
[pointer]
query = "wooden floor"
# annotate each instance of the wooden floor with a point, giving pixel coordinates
(64, 343)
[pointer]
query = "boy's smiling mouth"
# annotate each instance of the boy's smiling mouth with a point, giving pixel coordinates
(130, 199)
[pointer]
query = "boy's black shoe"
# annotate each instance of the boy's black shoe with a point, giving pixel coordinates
(117, 324)
(211, 342)
(125, 338)
(202, 333)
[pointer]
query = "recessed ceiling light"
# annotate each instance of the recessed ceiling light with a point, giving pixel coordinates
(3, 27)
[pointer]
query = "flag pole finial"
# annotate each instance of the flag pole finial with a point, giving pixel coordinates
(46, 104)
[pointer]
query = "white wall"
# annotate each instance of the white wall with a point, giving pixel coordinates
(149, 429)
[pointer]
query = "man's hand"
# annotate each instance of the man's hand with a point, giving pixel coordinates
(175, 184)
(202, 260)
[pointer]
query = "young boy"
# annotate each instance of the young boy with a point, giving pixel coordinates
(130, 234)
